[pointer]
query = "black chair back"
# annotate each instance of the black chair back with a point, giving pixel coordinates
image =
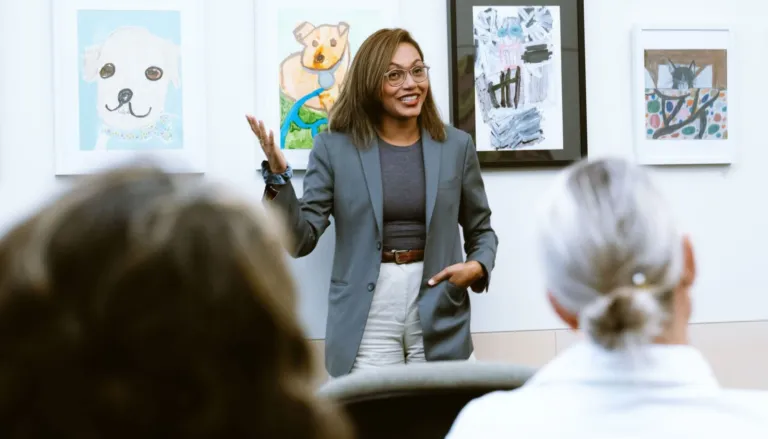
(419, 401)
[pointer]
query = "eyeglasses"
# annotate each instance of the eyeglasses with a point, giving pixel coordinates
(396, 77)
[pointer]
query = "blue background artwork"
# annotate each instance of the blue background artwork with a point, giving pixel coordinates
(93, 27)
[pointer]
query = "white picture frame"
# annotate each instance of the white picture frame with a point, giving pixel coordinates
(107, 114)
(275, 22)
(682, 137)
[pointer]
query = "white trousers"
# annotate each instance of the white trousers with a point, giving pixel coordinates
(393, 333)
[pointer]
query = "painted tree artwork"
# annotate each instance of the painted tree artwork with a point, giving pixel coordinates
(686, 94)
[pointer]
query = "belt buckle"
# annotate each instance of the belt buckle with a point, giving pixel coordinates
(397, 254)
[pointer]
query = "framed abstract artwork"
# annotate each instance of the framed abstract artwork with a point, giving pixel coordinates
(683, 95)
(517, 79)
(129, 82)
(304, 53)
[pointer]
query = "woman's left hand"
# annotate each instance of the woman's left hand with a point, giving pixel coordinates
(462, 274)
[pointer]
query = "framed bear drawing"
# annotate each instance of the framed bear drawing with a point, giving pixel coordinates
(304, 50)
(128, 83)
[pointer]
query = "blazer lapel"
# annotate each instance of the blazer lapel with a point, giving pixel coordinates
(369, 157)
(431, 150)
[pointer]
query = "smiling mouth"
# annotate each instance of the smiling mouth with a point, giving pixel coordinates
(409, 98)
(127, 108)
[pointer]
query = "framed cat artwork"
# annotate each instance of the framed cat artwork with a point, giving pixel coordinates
(517, 80)
(684, 95)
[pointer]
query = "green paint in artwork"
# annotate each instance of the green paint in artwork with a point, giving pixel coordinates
(713, 128)
(298, 138)
(688, 130)
(361, 22)
(654, 107)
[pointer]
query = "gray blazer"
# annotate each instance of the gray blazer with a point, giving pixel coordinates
(345, 181)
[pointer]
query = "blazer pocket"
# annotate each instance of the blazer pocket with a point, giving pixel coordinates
(456, 294)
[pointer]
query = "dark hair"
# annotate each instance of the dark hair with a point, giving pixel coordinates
(358, 108)
(139, 305)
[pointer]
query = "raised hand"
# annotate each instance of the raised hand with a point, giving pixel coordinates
(275, 157)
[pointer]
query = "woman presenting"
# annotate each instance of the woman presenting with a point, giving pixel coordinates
(399, 183)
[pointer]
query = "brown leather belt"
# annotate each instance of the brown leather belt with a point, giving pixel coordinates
(402, 256)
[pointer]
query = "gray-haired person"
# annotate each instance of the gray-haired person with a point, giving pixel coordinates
(617, 268)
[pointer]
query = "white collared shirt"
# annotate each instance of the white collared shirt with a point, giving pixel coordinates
(656, 391)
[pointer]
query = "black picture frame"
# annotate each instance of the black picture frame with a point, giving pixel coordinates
(462, 96)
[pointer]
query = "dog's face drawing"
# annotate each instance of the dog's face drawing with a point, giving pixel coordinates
(323, 45)
(133, 68)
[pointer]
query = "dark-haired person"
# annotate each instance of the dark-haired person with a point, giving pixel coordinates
(140, 306)
(399, 183)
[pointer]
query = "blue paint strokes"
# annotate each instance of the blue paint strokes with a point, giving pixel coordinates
(293, 117)
(511, 28)
(510, 131)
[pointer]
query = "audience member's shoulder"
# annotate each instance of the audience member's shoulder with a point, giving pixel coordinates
(485, 415)
(751, 401)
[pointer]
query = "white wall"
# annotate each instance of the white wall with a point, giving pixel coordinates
(720, 208)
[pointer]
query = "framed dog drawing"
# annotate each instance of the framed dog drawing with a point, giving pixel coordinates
(306, 49)
(129, 82)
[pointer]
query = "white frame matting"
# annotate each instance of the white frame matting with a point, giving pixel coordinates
(70, 159)
(684, 152)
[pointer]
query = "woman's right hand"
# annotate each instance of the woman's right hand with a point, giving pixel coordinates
(275, 157)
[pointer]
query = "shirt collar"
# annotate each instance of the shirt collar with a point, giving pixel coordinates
(650, 365)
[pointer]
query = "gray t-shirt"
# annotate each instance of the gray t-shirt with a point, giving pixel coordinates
(405, 196)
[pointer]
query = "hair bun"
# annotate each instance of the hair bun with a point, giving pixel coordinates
(626, 316)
